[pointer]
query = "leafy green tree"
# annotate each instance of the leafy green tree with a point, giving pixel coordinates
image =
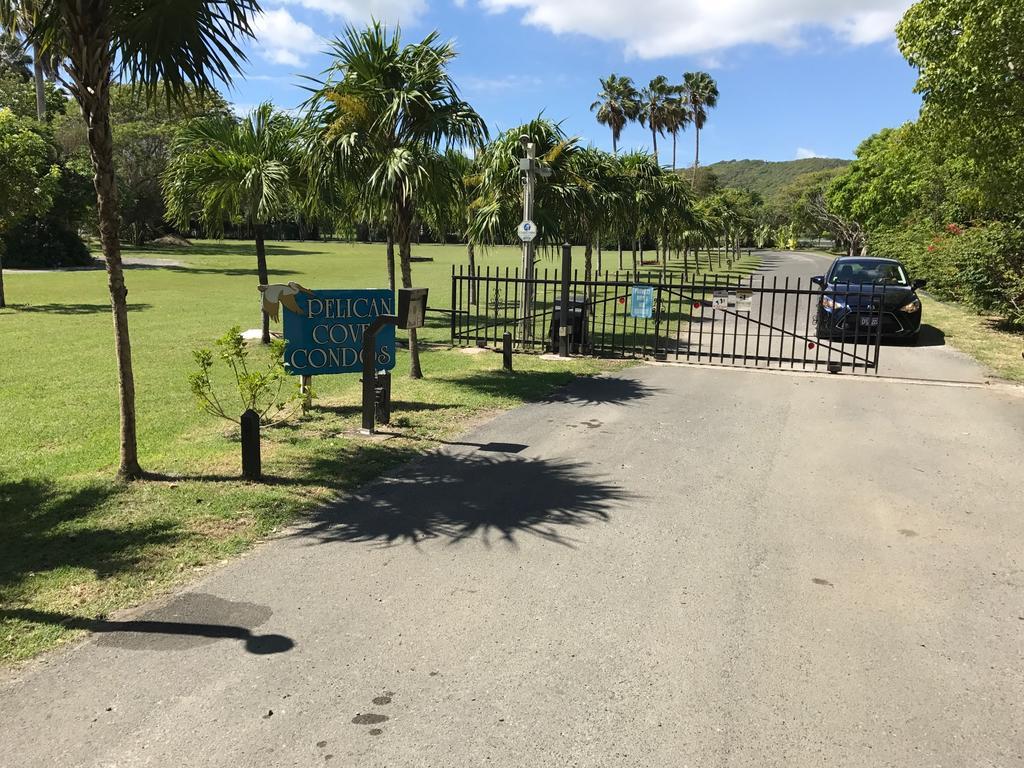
(19, 96)
(970, 60)
(13, 59)
(617, 105)
(653, 112)
(143, 131)
(28, 175)
(223, 169)
(702, 94)
(383, 115)
(162, 47)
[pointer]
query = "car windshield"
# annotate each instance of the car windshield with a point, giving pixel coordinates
(869, 273)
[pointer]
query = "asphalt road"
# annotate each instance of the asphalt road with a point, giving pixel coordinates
(929, 359)
(674, 566)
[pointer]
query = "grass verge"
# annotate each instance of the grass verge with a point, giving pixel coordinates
(978, 336)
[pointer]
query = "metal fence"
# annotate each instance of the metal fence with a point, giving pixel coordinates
(758, 321)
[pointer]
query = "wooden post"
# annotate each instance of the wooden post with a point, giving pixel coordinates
(506, 352)
(251, 464)
(306, 390)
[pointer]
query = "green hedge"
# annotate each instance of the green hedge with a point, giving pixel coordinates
(981, 265)
(44, 244)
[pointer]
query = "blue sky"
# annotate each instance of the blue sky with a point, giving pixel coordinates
(797, 77)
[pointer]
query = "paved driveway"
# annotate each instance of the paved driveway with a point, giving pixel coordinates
(671, 567)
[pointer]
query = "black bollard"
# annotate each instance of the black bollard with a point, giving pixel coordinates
(251, 465)
(383, 397)
(506, 351)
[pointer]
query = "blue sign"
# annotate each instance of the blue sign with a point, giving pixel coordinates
(642, 304)
(326, 334)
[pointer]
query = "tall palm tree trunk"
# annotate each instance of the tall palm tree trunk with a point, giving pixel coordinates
(37, 76)
(696, 155)
(92, 69)
(620, 253)
(264, 276)
(471, 257)
(674, 136)
(615, 143)
(654, 138)
(588, 260)
(3, 300)
(403, 236)
(390, 255)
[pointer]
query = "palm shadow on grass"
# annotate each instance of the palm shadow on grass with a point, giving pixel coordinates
(218, 248)
(74, 309)
(46, 528)
(462, 496)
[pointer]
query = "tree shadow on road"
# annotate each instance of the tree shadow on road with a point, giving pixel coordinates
(469, 496)
(530, 386)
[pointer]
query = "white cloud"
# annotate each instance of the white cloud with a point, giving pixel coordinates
(283, 40)
(684, 27)
(388, 11)
(477, 84)
(802, 153)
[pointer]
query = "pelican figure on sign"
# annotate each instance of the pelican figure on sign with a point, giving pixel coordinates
(276, 295)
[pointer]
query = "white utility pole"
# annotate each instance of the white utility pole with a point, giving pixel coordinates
(530, 169)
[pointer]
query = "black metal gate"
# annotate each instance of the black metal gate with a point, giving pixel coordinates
(757, 321)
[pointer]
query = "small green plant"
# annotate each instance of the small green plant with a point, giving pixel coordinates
(262, 391)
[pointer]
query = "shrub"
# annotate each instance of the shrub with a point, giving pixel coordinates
(257, 389)
(981, 265)
(44, 244)
(989, 262)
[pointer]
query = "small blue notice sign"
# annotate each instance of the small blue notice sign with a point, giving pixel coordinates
(325, 335)
(641, 304)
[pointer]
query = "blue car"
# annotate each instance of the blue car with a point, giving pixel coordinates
(863, 298)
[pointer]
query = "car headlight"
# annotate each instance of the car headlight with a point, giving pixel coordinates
(830, 303)
(914, 305)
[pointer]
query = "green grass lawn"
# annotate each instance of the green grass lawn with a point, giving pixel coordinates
(77, 545)
(978, 336)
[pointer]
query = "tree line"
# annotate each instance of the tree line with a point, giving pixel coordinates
(945, 193)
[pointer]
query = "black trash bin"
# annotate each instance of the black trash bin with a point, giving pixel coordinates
(577, 324)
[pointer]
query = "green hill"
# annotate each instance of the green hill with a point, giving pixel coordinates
(765, 177)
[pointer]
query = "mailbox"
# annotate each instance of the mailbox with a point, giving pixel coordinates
(412, 307)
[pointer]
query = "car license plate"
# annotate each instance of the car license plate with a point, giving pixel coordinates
(869, 321)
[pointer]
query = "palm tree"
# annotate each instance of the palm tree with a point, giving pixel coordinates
(702, 93)
(163, 47)
(224, 169)
(640, 172)
(498, 207)
(617, 104)
(652, 108)
(677, 116)
(382, 114)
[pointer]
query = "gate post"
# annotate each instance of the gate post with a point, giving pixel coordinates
(563, 315)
